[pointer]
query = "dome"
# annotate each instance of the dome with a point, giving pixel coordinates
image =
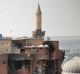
(72, 66)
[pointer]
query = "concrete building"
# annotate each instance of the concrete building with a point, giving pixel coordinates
(5, 46)
(9, 45)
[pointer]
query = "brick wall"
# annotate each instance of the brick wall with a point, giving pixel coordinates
(3, 67)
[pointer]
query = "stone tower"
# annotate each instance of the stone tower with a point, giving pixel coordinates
(38, 33)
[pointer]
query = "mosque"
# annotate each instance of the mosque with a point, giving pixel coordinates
(35, 55)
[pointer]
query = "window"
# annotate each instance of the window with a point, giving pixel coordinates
(22, 50)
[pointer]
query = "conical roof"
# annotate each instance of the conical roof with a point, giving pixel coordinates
(38, 9)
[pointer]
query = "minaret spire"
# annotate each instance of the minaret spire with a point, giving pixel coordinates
(38, 18)
(38, 9)
(38, 33)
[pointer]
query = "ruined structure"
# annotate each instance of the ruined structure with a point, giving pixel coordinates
(31, 55)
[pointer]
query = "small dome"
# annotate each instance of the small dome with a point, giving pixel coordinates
(72, 66)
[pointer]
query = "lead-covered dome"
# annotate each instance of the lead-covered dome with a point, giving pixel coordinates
(72, 66)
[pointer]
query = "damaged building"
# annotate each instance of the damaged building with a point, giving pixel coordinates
(31, 55)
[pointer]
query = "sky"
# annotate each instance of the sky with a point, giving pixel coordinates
(59, 17)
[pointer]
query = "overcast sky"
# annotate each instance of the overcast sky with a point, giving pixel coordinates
(60, 17)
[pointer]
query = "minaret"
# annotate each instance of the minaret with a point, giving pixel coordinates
(38, 33)
(38, 18)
